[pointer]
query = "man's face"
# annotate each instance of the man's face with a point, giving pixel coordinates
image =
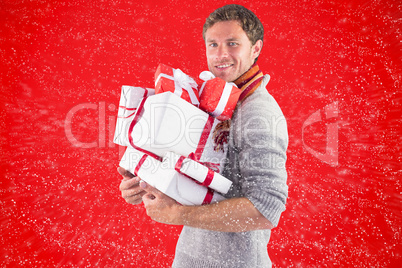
(229, 51)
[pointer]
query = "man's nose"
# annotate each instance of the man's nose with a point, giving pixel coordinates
(222, 52)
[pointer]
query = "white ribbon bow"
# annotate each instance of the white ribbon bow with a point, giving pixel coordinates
(182, 81)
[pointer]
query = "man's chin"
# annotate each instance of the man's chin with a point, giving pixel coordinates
(228, 77)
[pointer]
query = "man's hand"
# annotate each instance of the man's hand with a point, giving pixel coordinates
(160, 207)
(130, 187)
(230, 215)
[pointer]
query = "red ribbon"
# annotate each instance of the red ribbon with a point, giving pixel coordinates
(179, 163)
(137, 168)
(125, 108)
(128, 115)
(130, 130)
(133, 109)
(204, 137)
(208, 179)
(200, 149)
(210, 165)
(208, 197)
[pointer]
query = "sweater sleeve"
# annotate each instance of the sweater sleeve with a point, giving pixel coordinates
(261, 141)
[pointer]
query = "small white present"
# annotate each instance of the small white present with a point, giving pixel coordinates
(196, 170)
(167, 180)
(130, 98)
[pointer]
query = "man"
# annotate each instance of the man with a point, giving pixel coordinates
(234, 232)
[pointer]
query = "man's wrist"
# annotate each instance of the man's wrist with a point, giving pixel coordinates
(180, 212)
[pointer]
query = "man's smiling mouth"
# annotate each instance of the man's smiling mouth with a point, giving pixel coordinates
(223, 66)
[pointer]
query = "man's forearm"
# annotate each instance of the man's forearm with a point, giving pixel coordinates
(231, 215)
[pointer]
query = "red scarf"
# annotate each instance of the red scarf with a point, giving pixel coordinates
(249, 81)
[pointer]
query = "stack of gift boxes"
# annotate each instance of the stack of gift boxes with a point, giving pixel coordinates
(169, 134)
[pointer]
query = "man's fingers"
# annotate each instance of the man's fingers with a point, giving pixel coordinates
(125, 173)
(130, 188)
(146, 198)
(150, 190)
(134, 200)
(129, 183)
(132, 192)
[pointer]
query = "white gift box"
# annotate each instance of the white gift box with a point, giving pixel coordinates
(165, 122)
(132, 158)
(167, 180)
(195, 170)
(130, 98)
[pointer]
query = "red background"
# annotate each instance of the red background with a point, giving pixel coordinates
(60, 204)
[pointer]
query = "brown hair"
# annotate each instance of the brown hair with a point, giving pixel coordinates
(247, 19)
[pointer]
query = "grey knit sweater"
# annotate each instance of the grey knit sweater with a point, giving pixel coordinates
(256, 164)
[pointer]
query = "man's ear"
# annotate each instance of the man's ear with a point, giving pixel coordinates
(256, 49)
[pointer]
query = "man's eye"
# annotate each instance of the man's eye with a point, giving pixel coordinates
(232, 44)
(213, 45)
